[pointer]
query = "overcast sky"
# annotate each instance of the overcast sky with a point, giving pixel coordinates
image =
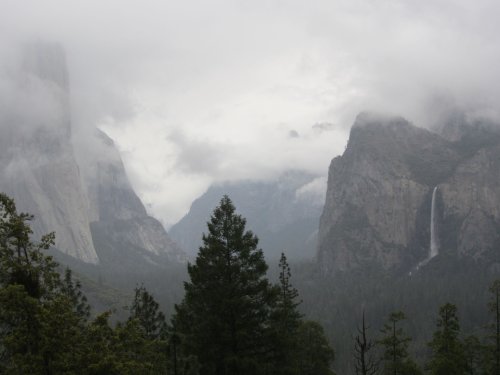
(195, 92)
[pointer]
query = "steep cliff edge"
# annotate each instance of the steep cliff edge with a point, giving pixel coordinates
(74, 184)
(115, 210)
(378, 201)
(37, 164)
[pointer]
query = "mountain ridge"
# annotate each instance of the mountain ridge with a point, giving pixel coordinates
(284, 213)
(73, 186)
(377, 207)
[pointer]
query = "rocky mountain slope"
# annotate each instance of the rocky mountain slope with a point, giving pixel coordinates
(115, 211)
(77, 188)
(378, 202)
(37, 163)
(284, 213)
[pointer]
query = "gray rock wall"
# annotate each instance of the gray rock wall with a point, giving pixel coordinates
(377, 208)
(69, 182)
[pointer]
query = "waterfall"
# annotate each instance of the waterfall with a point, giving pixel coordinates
(434, 248)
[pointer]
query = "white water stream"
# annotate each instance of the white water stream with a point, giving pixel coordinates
(433, 245)
(434, 248)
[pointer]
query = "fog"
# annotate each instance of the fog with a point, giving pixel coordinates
(196, 92)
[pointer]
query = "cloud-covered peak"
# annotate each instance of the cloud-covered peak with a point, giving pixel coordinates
(195, 93)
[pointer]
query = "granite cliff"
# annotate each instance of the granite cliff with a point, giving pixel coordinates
(37, 162)
(378, 202)
(79, 189)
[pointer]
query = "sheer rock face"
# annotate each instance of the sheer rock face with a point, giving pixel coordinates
(115, 209)
(377, 209)
(37, 162)
(40, 169)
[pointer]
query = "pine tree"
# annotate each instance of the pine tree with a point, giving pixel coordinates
(365, 362)
(222, 320)
(62, 335)
(42, 318)
(181, 344)
(395, 346)
(315, 354)
(19, 332)
(146, 332)
(448, 355)
(285, 321)
(22, 261)
(26, 276)
(147, 311)
(101, 357)
(73, 291)
(494, 337)
(473, 355)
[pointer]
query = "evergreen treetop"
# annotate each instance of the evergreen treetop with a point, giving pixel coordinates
(227, 301)
(395, 347)
(447, 350)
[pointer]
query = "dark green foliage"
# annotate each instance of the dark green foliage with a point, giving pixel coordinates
(492, 348)
(333, 299)
(182, 359)
(124, 350)
(147, 312)
(287, 302)
(285, 321)
(473, 352)
(73, 291)
(21, 260)
(19, 331)
(395, 347)
(44, 319)
(227, 303)
(297, 346)
(232, 320)
(448, 355)
(102, 359)
(29, 286)
(146, 331)
(315, 355)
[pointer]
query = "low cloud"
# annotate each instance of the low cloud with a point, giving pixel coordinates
(198, 92)
(28, 100)
(321, 127)
(314, 191)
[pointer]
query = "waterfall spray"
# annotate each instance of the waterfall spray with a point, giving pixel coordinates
(434, 248)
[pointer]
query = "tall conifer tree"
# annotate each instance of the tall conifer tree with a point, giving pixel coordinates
(147, 311)
(448, 355)
(395, 347)
(493, 352)
(223, 317)
(284, 324)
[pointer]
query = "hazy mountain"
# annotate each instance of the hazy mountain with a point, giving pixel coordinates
(74, 184)
(284, 213)
(374, 241)
(378, 201)
(37, 162)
